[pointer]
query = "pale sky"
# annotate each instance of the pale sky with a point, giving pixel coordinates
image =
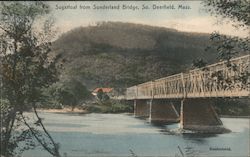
(194, 19)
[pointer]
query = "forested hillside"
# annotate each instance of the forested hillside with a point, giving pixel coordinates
(123, 54)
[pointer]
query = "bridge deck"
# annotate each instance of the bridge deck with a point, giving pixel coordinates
(216, 80)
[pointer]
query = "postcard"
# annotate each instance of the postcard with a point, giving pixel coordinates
(125, 78)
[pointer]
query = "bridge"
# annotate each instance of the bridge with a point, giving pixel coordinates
(194, 91)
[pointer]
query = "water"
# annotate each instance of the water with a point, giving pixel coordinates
(123, 135)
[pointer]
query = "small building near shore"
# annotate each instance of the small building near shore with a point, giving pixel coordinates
(108, 91)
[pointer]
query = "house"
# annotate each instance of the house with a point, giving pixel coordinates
(108, 91)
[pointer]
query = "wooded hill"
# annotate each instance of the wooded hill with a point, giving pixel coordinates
(115, 54)
(120, 55)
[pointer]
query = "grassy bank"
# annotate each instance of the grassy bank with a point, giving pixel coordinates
(108, 107)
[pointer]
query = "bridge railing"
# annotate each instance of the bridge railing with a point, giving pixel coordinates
(223, 79)
(216, 80)
(131, 93)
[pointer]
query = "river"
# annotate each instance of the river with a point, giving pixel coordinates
(97, 135)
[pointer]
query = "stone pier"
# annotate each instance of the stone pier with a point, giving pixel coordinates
(199, 115)
(141, 108)
(163, 111)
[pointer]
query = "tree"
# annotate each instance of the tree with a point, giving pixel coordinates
(26, 68)
(68, 93)
(228, 46)
(199, 63)
(102, 96)
(238, 12)
(235, 10)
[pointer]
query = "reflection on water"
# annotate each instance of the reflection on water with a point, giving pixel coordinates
(123, 135)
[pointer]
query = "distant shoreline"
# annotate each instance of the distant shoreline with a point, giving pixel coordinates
(63, 110)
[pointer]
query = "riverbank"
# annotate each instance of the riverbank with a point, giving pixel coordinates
(63, 110)
(108, 107)
(94, 107)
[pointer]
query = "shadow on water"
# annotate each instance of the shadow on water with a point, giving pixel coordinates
(197, 138)
(197, 135)
(165, 128)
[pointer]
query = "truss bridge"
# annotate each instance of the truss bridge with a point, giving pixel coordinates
(188, 97)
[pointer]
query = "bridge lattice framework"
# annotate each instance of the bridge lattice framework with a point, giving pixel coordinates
(222, 79)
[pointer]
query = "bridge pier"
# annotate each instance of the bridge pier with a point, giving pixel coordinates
(141, 108)
(163, 111)
(199, 115)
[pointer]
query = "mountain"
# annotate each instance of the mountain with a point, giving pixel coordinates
(115, 54)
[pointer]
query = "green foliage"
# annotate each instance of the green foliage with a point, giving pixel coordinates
(199, 63)
(118, 61)
(103, 97)
(67, 93)
(100, 94)
(5, 105)
(236, 10)
(26, 69)
(50, 103)
(109, 107)
(232, 107)
(229, 47)
(21, 135)
(117, 107)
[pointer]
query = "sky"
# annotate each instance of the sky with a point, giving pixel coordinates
(193, 19)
